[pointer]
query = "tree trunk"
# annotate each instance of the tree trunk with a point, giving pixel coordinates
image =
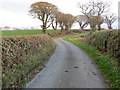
(82, 27)
(110, 27)
(93, 27)
(44, 28)
(66, 27)
(44, 31)
(54, 27)
(99, 27)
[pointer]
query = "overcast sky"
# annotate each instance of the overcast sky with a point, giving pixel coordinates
(14, 13)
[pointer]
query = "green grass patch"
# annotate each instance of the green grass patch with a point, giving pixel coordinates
(24, 32)
(107, 65)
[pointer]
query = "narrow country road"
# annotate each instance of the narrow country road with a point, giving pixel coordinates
(69, 67)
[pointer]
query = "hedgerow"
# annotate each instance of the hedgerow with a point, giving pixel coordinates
(107, 42)
(21, 55)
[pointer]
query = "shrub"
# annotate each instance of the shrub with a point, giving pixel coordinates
(21, 55)
(80, 31)
(56, 33)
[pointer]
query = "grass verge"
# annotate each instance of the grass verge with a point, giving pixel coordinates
(107, 65)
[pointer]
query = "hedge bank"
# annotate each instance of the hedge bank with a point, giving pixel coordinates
(107, 42)
(21, 55)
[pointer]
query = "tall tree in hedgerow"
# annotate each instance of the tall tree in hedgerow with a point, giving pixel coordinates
(44, 11)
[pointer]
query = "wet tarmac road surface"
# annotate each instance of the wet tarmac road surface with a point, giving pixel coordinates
(68, 67)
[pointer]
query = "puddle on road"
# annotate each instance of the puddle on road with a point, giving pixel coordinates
(93, 73)
(76, 67)
(66, 71)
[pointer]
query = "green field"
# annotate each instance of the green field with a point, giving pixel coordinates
(23, 32)
(26, 32)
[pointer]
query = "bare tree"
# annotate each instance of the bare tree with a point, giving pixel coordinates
(86, 9)
(100, 8)
(82, 21)
(110, 19)
(94, 9)
(44, 12)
